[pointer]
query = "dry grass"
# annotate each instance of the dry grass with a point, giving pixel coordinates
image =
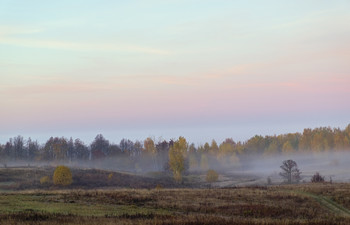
(259, 205)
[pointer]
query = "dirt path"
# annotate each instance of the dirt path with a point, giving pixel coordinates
(327, 203)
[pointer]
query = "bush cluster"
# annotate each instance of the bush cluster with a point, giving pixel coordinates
(317, 178)
(45, 180)
(212, 176)
(62, 176)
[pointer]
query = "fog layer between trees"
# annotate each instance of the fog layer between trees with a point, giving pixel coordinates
(322, 149)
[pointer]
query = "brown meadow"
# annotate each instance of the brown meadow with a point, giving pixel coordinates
(288, 204)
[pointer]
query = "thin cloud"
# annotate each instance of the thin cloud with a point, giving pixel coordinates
(14, 30)
(75, 46)
(60, 88)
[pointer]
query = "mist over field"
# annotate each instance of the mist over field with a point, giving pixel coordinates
(255, 161)
(333, 166)
(251, 171)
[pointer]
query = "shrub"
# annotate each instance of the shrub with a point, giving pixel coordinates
(317, 178)
(159, 187)
(62, 176)
(212, 176)
(45, 180)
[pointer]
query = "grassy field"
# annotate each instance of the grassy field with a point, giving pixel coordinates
(289, 204)
(94, 198)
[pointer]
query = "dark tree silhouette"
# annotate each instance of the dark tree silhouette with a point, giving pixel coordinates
(290, 171)
(317, 178)
(99, 147)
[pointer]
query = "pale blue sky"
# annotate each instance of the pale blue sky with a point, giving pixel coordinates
(202, 69)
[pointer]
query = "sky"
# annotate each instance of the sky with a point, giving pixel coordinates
(202, 69)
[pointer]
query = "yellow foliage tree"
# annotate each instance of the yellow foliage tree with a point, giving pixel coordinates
(224, 150)
(177, 155)
(272, 149)
(212, 176)
(45, 180)
(62, 176)
(234, 160)
(149, 146)
(214, 148)
(204, 162)
(227, 154)
(151, 149)
(193, 162)
(287, 148)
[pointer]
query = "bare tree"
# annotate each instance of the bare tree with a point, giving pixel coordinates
(290, 171)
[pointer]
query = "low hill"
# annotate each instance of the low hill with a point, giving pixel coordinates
(22, 178)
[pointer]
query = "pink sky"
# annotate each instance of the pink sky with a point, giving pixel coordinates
(215, 70)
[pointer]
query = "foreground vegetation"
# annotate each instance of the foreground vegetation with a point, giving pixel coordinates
(289, 204)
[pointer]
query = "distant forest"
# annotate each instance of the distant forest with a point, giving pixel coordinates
(152, 155)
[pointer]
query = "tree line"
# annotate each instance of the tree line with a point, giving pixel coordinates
(174, 155)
